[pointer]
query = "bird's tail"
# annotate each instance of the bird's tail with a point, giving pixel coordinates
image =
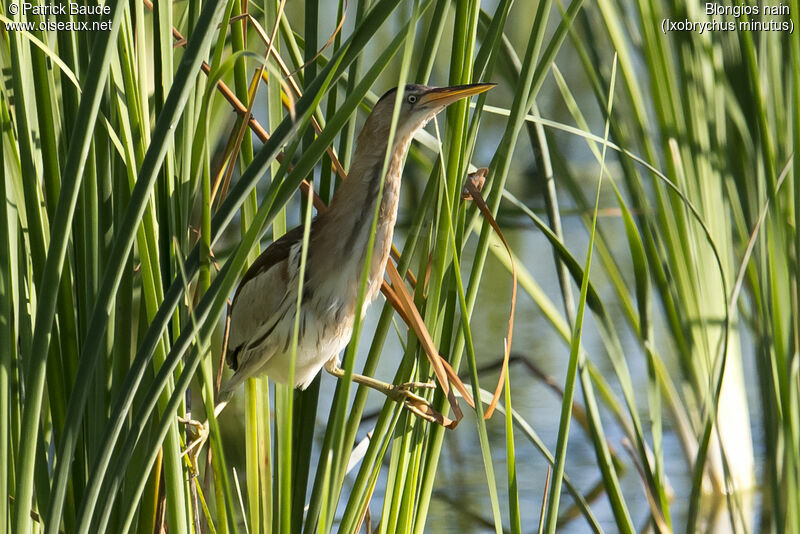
(226, 391)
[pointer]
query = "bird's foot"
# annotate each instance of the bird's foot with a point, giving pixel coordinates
(403, 393)
(200, 436)
(418, 405)
(400, 393)
(408, 386)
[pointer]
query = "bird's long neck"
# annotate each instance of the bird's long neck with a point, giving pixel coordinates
(348, 220)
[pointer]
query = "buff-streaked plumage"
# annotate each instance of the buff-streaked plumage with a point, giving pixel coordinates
(263, 309)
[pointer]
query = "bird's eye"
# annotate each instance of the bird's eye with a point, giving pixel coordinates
(411, 99)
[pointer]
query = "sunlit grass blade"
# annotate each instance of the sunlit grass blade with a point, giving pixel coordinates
(623, 519)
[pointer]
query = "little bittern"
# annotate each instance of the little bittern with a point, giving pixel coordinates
(262, 315)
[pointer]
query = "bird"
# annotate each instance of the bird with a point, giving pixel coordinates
(264, 306)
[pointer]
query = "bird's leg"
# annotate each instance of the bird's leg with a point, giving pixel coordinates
(397, 392)
(393, 391)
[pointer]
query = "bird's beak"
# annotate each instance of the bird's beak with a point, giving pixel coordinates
(444, 96)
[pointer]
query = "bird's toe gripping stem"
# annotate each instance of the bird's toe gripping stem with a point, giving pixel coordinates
(418, 405)
(200, 431)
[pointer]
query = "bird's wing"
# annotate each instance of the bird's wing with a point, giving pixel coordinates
(259, 295)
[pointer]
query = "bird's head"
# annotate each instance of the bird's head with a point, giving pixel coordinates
(419, 105)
